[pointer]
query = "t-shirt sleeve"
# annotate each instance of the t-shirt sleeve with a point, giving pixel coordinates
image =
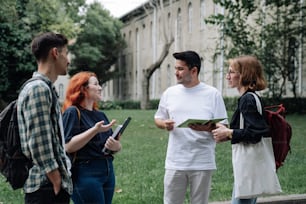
(162, 112)
(71, 123)
(220, 110)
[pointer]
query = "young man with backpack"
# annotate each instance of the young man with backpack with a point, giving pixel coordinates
(40, 124)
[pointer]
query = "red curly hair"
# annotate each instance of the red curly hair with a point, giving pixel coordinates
(75, 94)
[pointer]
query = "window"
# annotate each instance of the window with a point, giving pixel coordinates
(201, 75)
(179, 28)
(202, 14)
(190, 17)
(292, 58)
(169, 24)
(216, 9)
(61, 91)
(169, 75)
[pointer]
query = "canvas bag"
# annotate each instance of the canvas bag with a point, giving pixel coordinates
(254, 166)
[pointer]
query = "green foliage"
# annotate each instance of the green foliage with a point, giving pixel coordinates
(271, 32)
(109, 105)
(39, 19)
(16, 62)
(117, 105)
(98, 44)
(154, 103)
(140, 169)
(292, 105)
(20, 20)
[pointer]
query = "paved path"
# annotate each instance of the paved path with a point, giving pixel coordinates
(283, 199)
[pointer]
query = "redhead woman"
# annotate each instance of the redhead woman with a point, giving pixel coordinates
(87, 132)
(245, 73)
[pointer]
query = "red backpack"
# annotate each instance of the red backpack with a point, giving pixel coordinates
(280, 130)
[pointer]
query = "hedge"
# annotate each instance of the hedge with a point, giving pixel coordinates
(292, 105)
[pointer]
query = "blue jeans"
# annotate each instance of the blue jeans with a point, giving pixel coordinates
(94, 182)
(242, 201)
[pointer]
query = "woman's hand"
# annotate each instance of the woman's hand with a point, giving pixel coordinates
(221, 133)
(100, 127)
(113, 144)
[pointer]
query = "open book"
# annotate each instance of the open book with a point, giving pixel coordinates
(199, 121)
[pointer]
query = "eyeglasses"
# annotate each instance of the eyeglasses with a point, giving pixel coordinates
(232, 72)
(97, 84)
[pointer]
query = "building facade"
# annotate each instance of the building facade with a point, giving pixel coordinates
(144, 31)
(149, 27)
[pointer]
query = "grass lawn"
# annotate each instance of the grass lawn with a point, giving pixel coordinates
(140, 165)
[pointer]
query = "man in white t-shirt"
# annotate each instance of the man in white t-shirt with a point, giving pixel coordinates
(190, 159)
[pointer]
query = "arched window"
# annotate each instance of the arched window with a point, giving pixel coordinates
(201, 75)
(293, 58)
(61, 91)
(190, 17)
(169, 75)
(202, 14)
(216, 9)
(137, 71)
(169, 24)
(179, 28)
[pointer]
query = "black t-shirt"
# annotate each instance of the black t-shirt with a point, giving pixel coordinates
(74, 126)
(255, 125)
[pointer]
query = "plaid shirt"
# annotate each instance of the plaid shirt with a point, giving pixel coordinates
(40, 135)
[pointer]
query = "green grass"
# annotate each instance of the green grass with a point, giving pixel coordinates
(140, 165)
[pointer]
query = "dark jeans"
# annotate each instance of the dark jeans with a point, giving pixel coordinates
(94, 182)
(46, 195)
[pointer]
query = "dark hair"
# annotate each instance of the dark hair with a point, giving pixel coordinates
(191, 58)
(42, 44)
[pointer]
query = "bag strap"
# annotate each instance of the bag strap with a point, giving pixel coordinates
(79, 116)
(259, 109)
(53, 92)
(79, 113)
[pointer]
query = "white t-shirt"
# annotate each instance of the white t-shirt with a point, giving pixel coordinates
(189, 149)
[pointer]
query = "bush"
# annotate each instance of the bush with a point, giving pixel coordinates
(109, 105)
(292, 105)
(129, 104)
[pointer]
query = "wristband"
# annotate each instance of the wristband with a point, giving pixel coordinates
(230, 136)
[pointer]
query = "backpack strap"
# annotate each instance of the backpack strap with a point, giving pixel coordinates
(54, 97)
(53, 92)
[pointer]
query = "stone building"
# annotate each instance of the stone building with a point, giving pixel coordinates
(144, 31)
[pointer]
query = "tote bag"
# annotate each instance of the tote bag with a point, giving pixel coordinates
(254, 167)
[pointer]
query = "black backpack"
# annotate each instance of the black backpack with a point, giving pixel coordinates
(14, 165)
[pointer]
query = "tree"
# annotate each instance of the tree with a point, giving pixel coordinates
(168, 41)
(271, 30)
(16, 62)
(98, 44)
(20, 20)
(38, 16)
